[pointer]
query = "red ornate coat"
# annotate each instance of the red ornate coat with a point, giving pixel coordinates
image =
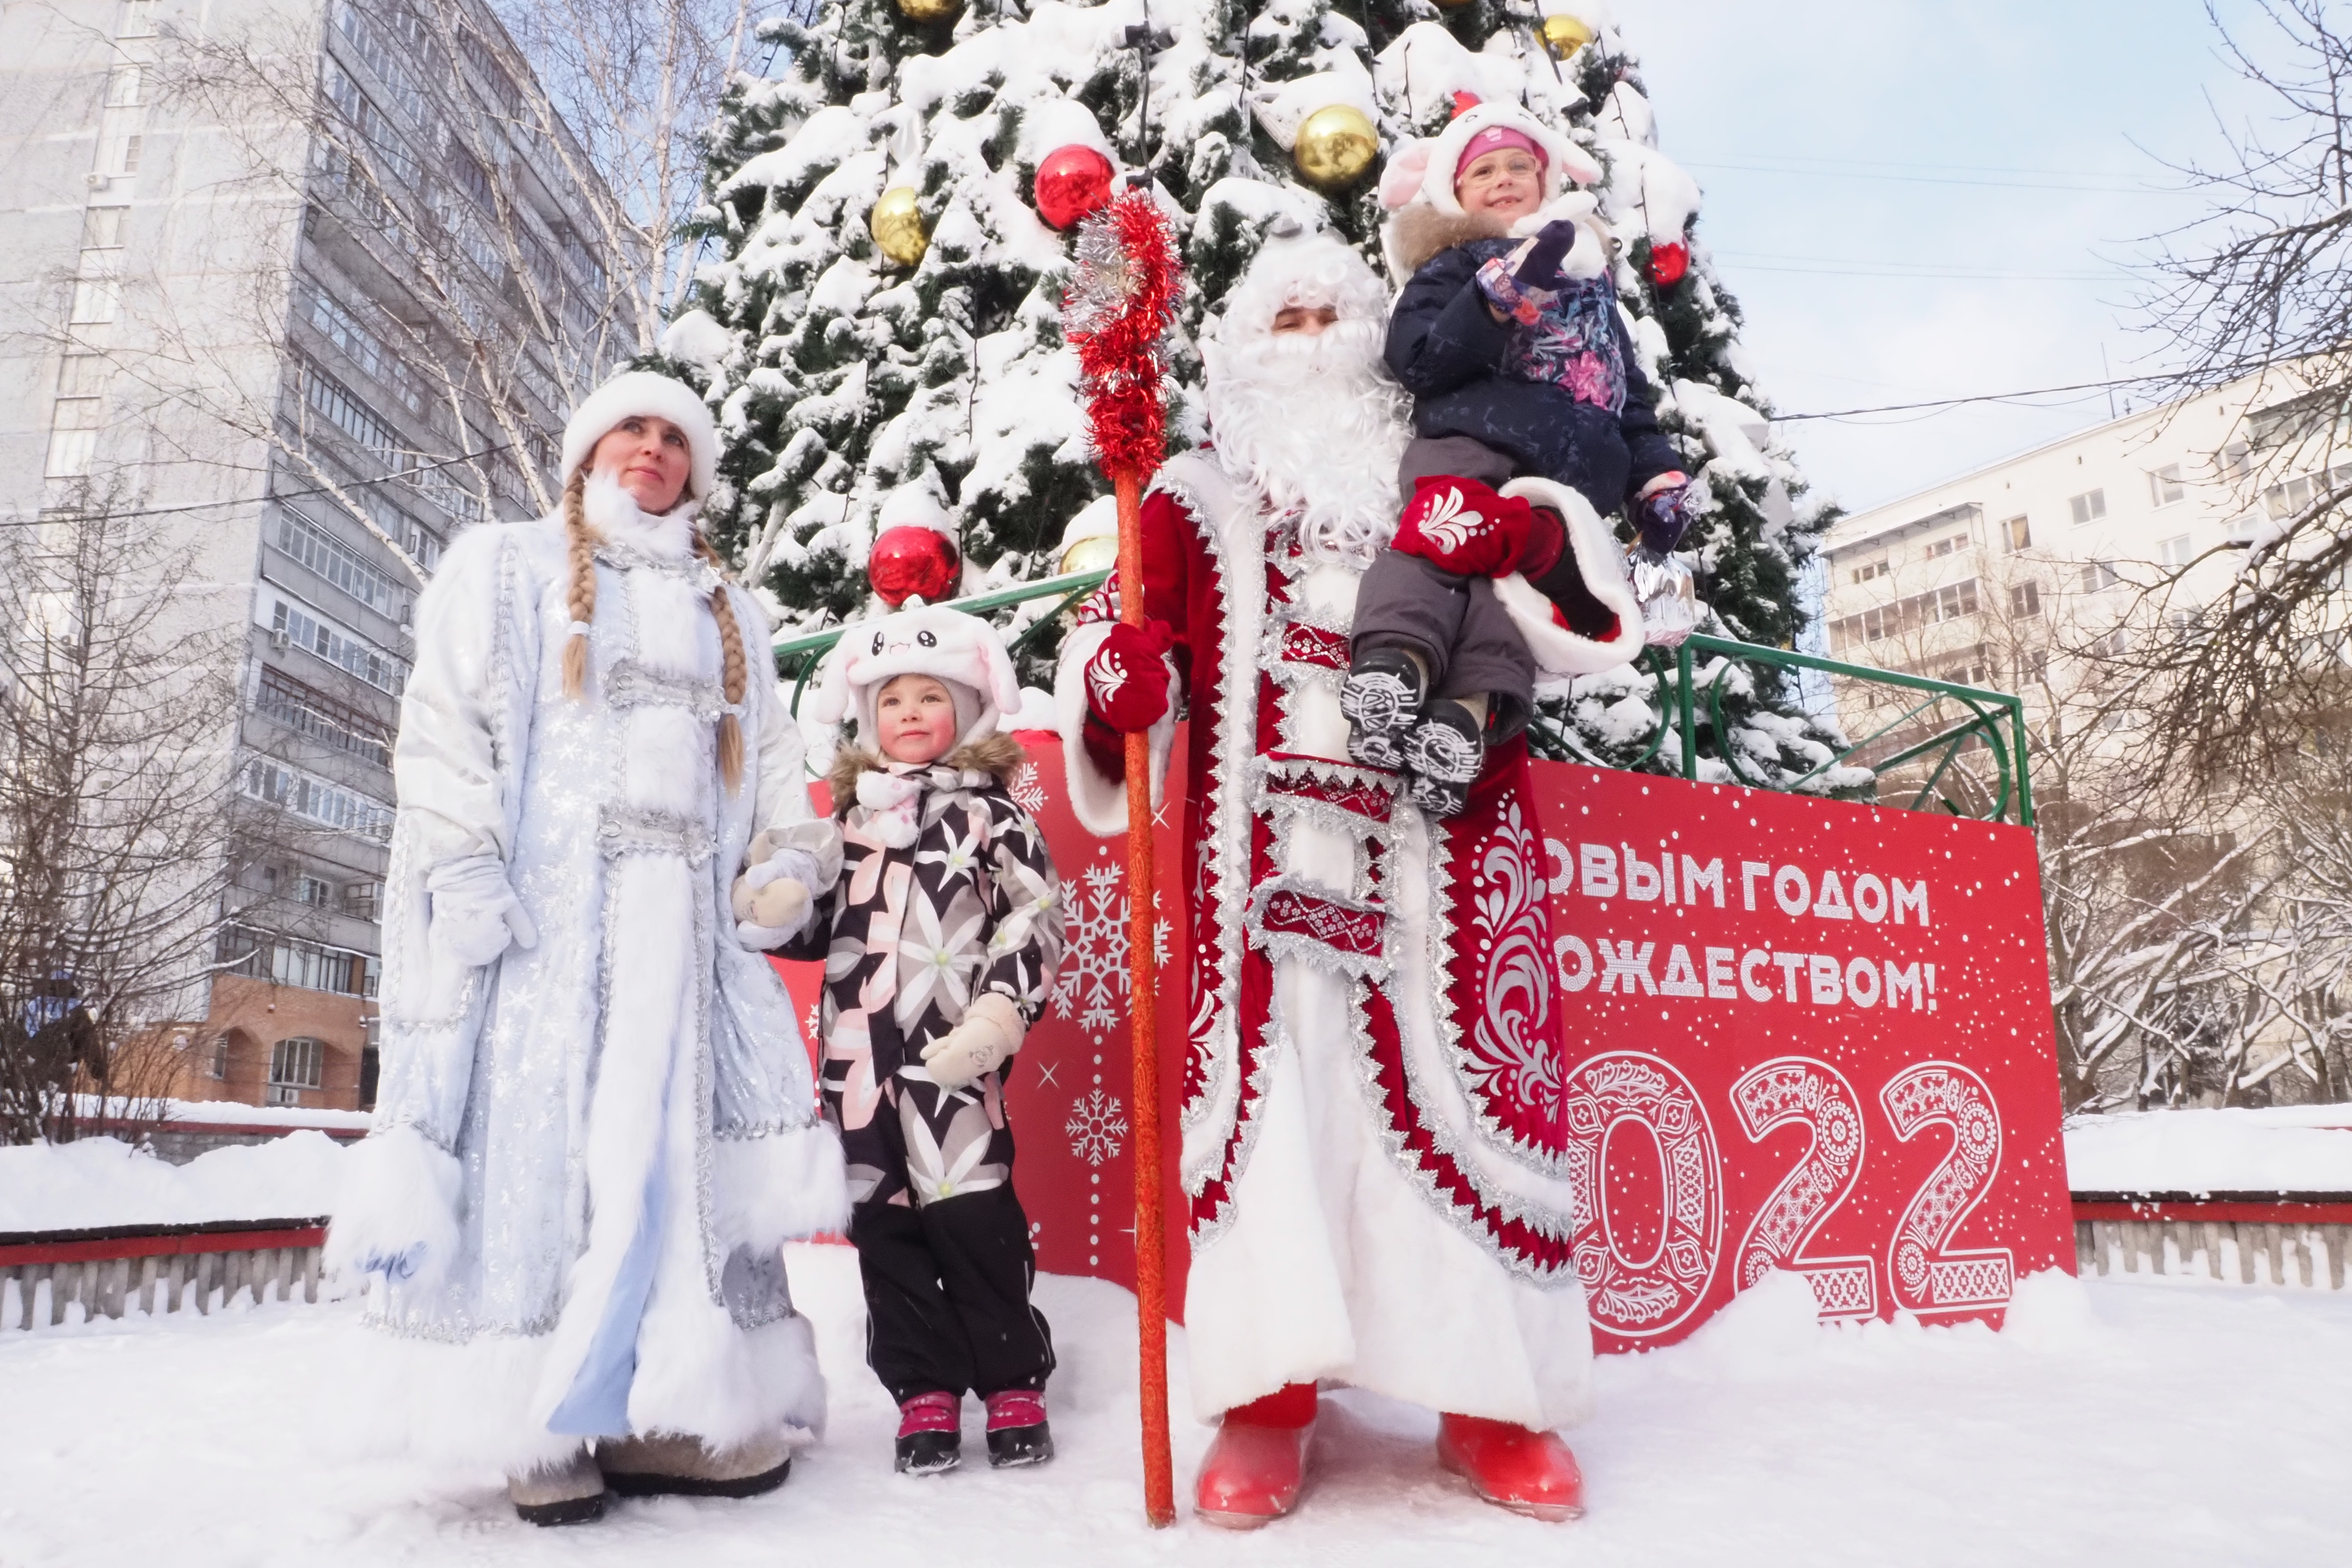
(1397, 969)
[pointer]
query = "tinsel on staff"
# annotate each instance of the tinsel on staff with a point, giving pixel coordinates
(1116, 316)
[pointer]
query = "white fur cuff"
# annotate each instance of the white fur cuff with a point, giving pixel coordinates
(781, 1187)
(397, 1211)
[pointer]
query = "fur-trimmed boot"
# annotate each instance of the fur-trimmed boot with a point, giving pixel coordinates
(671, 1462)
(568, 1492)
(1512, 1466)
(1255, 1470)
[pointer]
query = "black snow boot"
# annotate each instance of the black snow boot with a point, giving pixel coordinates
(1018, 1432)
(1380, 699)
(931, 1435)
(1444, 752)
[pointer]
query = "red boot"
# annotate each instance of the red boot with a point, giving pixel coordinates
(1255, 1467)
(1527, 1472)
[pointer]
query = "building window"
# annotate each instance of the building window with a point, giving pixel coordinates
(138, 19)
(293, 960)
(95, 300)
(291, 625)
(365, 347)
(371, 1074)
(347, 811)
(294, 1067)
(1869, 571)
(2032, 665)
(352, 417)
(2176, 551)
(71, 452)
(320, 717)
(2088, 507)
(82, 375)
(1937, 605)
(363, 900)
(218, 1067)
(2015, 536)
(331, 558)
(128, 163)
(102, 228)
(2234, 460)
(2164, 486)
(1944, 547)
(2098, 574)
(2025, 599)
(313, 891)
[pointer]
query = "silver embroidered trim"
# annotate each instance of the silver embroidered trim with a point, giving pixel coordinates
(414, 1325)
(632, 830)
(630, 683)
(1230, 818)
(622, 556)
(1273, 1043)
(1439, 951)
(1315, 954)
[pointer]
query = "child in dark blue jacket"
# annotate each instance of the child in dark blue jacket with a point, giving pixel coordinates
(1529, 406)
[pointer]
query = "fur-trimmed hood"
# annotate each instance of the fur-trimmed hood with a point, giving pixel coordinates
(1417, 231)
(999, 757)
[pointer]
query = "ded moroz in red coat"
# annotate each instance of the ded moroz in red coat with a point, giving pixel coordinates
(1373, 1118)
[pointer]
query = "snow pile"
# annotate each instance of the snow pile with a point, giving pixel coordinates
(2112, 1422)
(98, 1182)
(2294, 1149)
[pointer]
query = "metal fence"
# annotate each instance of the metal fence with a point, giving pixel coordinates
(1953, 748)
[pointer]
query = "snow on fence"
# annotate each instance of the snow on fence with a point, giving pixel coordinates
(161, 1267)
(2254, 1239)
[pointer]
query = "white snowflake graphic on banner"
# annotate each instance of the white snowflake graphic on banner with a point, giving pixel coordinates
(1027, 793)
(1097, 1128)
(1093, 985)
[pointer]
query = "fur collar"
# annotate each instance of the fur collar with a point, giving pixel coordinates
(1000, 756)
(1417, 231)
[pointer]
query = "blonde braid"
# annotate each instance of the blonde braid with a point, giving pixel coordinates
(581, 542)
(737, 672)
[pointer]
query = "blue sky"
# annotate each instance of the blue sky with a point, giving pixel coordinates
(1918, 200)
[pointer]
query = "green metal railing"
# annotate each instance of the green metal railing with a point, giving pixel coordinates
(1960, 717)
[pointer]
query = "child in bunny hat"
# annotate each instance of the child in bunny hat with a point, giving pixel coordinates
(940, 942)
(1532, 420)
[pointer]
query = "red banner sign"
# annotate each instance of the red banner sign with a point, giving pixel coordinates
(1801, 1035)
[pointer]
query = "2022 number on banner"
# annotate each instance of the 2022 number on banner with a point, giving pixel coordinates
(1801, 1036)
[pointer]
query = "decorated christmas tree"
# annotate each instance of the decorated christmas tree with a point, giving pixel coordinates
(891, 220)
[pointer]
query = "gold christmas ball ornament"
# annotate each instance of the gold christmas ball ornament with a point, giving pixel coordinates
(1563, 35)
(1336, 145)
(1098, 554)
(897, 225)
(929, 11)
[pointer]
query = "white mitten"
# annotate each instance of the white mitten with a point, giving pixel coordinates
(990, 1032)
(774, 897)
(475, 915)
(397, 1212)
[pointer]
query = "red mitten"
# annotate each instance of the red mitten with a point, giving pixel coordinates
(1464, 527)
(1126, 681)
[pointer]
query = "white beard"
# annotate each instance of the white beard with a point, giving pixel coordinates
(1313, 423)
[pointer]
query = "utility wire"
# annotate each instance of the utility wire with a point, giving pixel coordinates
(1940, 404)
(37, 520)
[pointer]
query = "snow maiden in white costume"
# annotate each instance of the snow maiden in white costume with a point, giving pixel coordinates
(597, 1124)
(1373, 1123)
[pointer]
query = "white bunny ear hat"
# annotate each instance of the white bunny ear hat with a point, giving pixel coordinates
(1426, 169)
(948, 646)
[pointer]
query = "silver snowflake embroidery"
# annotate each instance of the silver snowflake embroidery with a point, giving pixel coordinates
(1097, 1127)
(1093, 985)
(1027, 793)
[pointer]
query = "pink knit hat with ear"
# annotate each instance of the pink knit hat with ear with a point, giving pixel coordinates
(1494, 137)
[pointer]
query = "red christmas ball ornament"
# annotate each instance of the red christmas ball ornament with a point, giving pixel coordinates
(1073, 183)
(1669, 263)
(911, 560)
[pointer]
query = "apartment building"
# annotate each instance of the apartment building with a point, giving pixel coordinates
(301, 275)
(2018, 575)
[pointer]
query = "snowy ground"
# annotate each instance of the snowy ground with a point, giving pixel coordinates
(2142, 1423)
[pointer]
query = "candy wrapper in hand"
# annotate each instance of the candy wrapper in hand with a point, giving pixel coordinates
(1669, 599)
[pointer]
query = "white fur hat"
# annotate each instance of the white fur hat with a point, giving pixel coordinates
(1426, 169)
(961, 650)
(1313, 270)
(641, 392)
